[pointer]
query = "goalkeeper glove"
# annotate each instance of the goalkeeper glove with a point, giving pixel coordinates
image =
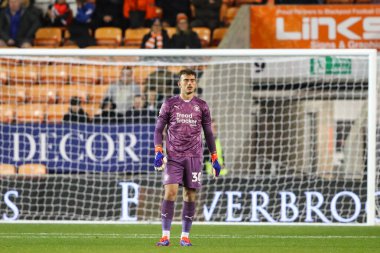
(215, 165)
(159, 159)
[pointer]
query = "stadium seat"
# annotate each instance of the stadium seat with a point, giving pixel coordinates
(30, 113)
(218, 35)
(7, 169)
(171, 31)
(108, 36)
(92, 109)
(48, 37)
(96, 93)
(55, 113)
(204, 35)
(109, 74)
(13, 94)
(133, 37)
(23, 75)
(65, 92)
(230, 15)
(32, 169)
(87, 74)
(43, 94)
(7, 113)
(54, 74)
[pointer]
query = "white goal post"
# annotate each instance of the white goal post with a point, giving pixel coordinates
(299, 130)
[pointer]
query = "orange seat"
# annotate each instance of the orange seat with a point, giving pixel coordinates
(48, 37)
(133, 37)
(230, 15)
(96, 93)
(32, 169)
(54, 74)
(23, 74)
(108, 36)
(43, 94)
(109, 74)
(30, 113)
(204, 35)
(87, 74)
(7, 113)
(7, 169)
(55, 113)
(92, 109)
(171, 31)
(66, 92)
(218, 35)
(13, 94)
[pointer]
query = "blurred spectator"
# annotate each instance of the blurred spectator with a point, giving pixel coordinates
(206, 13)
(58, 14)
(156, 38)
(18, 25)
(163, 80)
(122, 92)
(139, 12)
(76, 112)
(109, 13)
(108, 114)
(171, 8)
(153, 104)
(139, 114)
(184, 36)
(82, 23)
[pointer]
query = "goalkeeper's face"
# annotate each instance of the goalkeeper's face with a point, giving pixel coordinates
(187, 84)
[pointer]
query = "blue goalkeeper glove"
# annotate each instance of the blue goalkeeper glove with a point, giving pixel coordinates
(215, 165)
(159, 159)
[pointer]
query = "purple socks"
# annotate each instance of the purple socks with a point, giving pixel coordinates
(167, 212)
(188, 213)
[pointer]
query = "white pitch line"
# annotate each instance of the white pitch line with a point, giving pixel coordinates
(149, 236)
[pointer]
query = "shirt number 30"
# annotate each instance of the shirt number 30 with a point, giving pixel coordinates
(197, 177)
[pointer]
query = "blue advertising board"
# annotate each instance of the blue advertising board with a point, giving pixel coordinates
(66, 148)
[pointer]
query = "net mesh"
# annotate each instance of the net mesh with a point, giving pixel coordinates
(291, 132)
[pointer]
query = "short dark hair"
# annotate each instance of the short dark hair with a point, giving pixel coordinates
(188, 72)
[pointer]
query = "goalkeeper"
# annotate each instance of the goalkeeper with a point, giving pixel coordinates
(185, 116)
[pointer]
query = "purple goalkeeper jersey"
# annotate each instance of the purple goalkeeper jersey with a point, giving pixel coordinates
(185, 121)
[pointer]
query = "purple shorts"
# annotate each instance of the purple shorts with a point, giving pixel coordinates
(186, 171)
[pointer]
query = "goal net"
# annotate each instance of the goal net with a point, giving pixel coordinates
(291, 127)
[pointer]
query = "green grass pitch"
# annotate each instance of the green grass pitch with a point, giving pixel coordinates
(41, 238)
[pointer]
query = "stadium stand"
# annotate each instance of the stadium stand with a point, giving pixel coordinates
(87, 74)
(65, 92)
(30, 113)
(43, 94)
(13, 94)
(54, 74)
(54, 113)
(23, 74)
